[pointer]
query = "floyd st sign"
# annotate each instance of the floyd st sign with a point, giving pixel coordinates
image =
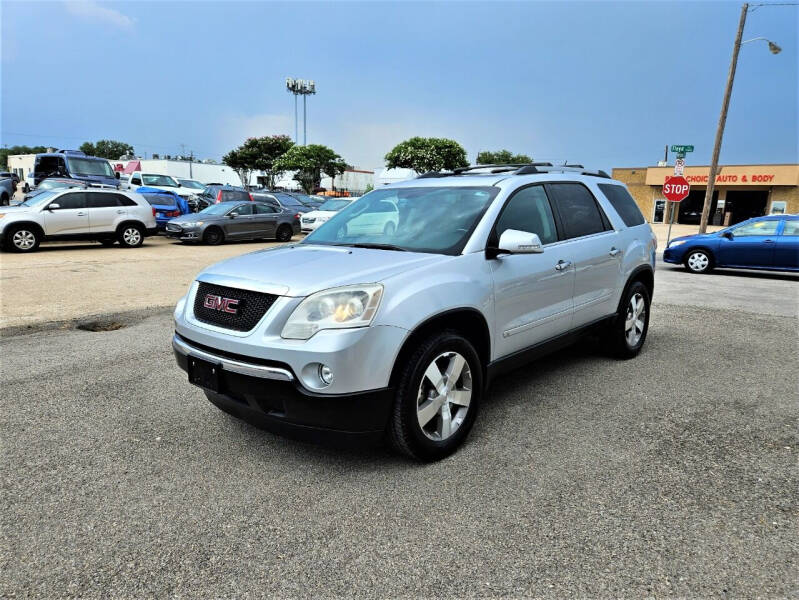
(675, 189)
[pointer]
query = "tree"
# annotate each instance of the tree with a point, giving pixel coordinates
(502, 157)
(427, 154)
(6, 152)
(309, 162)
(110, 149)
(258, 154)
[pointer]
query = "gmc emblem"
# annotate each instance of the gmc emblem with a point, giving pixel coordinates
(228, 305)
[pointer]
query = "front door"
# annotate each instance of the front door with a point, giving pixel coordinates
(239, 222)
(70, 218)
(752, 245)
(597, 251)
(532, 292)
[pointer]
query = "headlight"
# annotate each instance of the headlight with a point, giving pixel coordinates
(677, 243)
(2, 215)
(192, 224)
(339, 308)
(194, 197)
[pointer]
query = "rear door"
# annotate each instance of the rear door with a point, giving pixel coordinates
(533, 292)
(786, 252)
(752, 245)
(70, 218)
(596, 250)
(265, 219)
(104, 211)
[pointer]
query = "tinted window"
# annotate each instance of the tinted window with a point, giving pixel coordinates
(791, 228)
(242, 209)
(289, 200)
(72, 200)
(578, 210)
(160, 200)
(529, 210)
(98, 200)
(124, 200)
(623, 204)
(264, 209)
(234, 196)
(756, 228)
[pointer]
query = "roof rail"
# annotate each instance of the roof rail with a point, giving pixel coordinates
(531, 169)
(431, 174)
(516, 169)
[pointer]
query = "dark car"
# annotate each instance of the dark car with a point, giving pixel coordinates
(283, 201)
(215, 193)
(769, 243)
(167, 205)
(230, 221)
(312, 202)
(14, 176)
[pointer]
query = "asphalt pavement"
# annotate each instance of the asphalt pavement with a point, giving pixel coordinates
(673, 474)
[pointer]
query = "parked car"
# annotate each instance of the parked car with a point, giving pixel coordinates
(191, 184)
(55, 183)
(231, 221)
(311, 220)
(139, 179)
(7, 188)
(74, 164)
(216, 193)
(361, 335)
(769, 243)
(167, 205)
(12, 175)
(283, 201)
(107, 216)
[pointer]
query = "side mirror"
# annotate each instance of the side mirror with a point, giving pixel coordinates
(728, 235)
(513, 241)
(116, 174)
(231, 216)
(53, 206)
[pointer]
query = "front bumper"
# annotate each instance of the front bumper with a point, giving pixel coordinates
(674, 255)
(181, 234)
(268, 394)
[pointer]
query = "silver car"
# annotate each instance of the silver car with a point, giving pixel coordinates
(351, 335)
(231, 221)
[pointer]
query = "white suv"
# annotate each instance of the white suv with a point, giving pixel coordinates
(396, 331)
(70, 214)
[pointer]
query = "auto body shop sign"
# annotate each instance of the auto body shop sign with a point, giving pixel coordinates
(762, 175)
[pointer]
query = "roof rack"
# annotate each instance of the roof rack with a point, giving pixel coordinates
(517, 169)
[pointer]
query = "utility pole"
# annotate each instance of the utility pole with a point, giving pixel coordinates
(304, 122)
(295, 119)
(714, 162)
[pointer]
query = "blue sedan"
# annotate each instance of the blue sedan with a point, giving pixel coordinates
(770, 243)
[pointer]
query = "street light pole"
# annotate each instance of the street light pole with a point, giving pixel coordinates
(725, 105)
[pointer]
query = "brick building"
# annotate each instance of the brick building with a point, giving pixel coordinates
(741, 192)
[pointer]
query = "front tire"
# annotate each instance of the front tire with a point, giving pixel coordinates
(437, 398)
(131, 236)
(213, 236)
(628, 330)
(699, 261)
(23, 239)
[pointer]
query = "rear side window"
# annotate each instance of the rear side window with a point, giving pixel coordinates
(529, 210)
(623, 204)
(578, 210)
(791, 228)
(124, 200)
(264, 209)
(71, 200)
(98, 200)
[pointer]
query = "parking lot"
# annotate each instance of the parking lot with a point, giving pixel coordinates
(673, 474)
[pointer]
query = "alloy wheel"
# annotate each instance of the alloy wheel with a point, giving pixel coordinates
(635, 320)
(23, 239)
(131, 236)
(445, 393)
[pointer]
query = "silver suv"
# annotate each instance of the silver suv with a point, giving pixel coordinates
(77, 214)
(359, 333)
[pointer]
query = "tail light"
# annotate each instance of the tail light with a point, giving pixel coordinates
(251, 198)
(153, 210)
(298, 215)
(219, 196)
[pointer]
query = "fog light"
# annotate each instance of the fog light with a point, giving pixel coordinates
(326, 374)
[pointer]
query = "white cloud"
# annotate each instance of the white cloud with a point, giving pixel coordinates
(87, 9)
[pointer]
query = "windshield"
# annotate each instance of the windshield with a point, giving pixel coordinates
(428, 219)
(39, 198)
(217, 209)
(89, 166)
(334, 205)
(160, 200)
(162, 180)
(190, 183)
(51, 184)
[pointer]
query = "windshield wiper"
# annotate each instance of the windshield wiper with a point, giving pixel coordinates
(375, 246)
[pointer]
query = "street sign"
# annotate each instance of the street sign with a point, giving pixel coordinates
(679, 166)
(675, 189)
(682, 149)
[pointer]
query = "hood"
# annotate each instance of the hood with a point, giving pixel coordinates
(14, 209)
(193, 217)
(303, 269)
(693, 237)
(183, 192)
(320, 213)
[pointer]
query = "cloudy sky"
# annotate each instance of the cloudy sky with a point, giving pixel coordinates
(605, 84)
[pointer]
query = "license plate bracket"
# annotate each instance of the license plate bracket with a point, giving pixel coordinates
(204, 373)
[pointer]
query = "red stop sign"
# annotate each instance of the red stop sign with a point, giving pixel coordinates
(675, 189)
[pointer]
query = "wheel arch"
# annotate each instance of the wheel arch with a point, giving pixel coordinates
(643, 273)
(468, 322)
(127, 222)
(33, 225)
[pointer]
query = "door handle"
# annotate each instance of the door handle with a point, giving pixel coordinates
(120, 212)
(768, 241)
(614, 252)
(563, 265)
(81, 214)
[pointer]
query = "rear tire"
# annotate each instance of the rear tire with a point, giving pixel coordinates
(284, 233)
(699, 261)
(213, 236)
(437, 398)
(130, 236)
(4, 201)
(628, 330)
(23, 239)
